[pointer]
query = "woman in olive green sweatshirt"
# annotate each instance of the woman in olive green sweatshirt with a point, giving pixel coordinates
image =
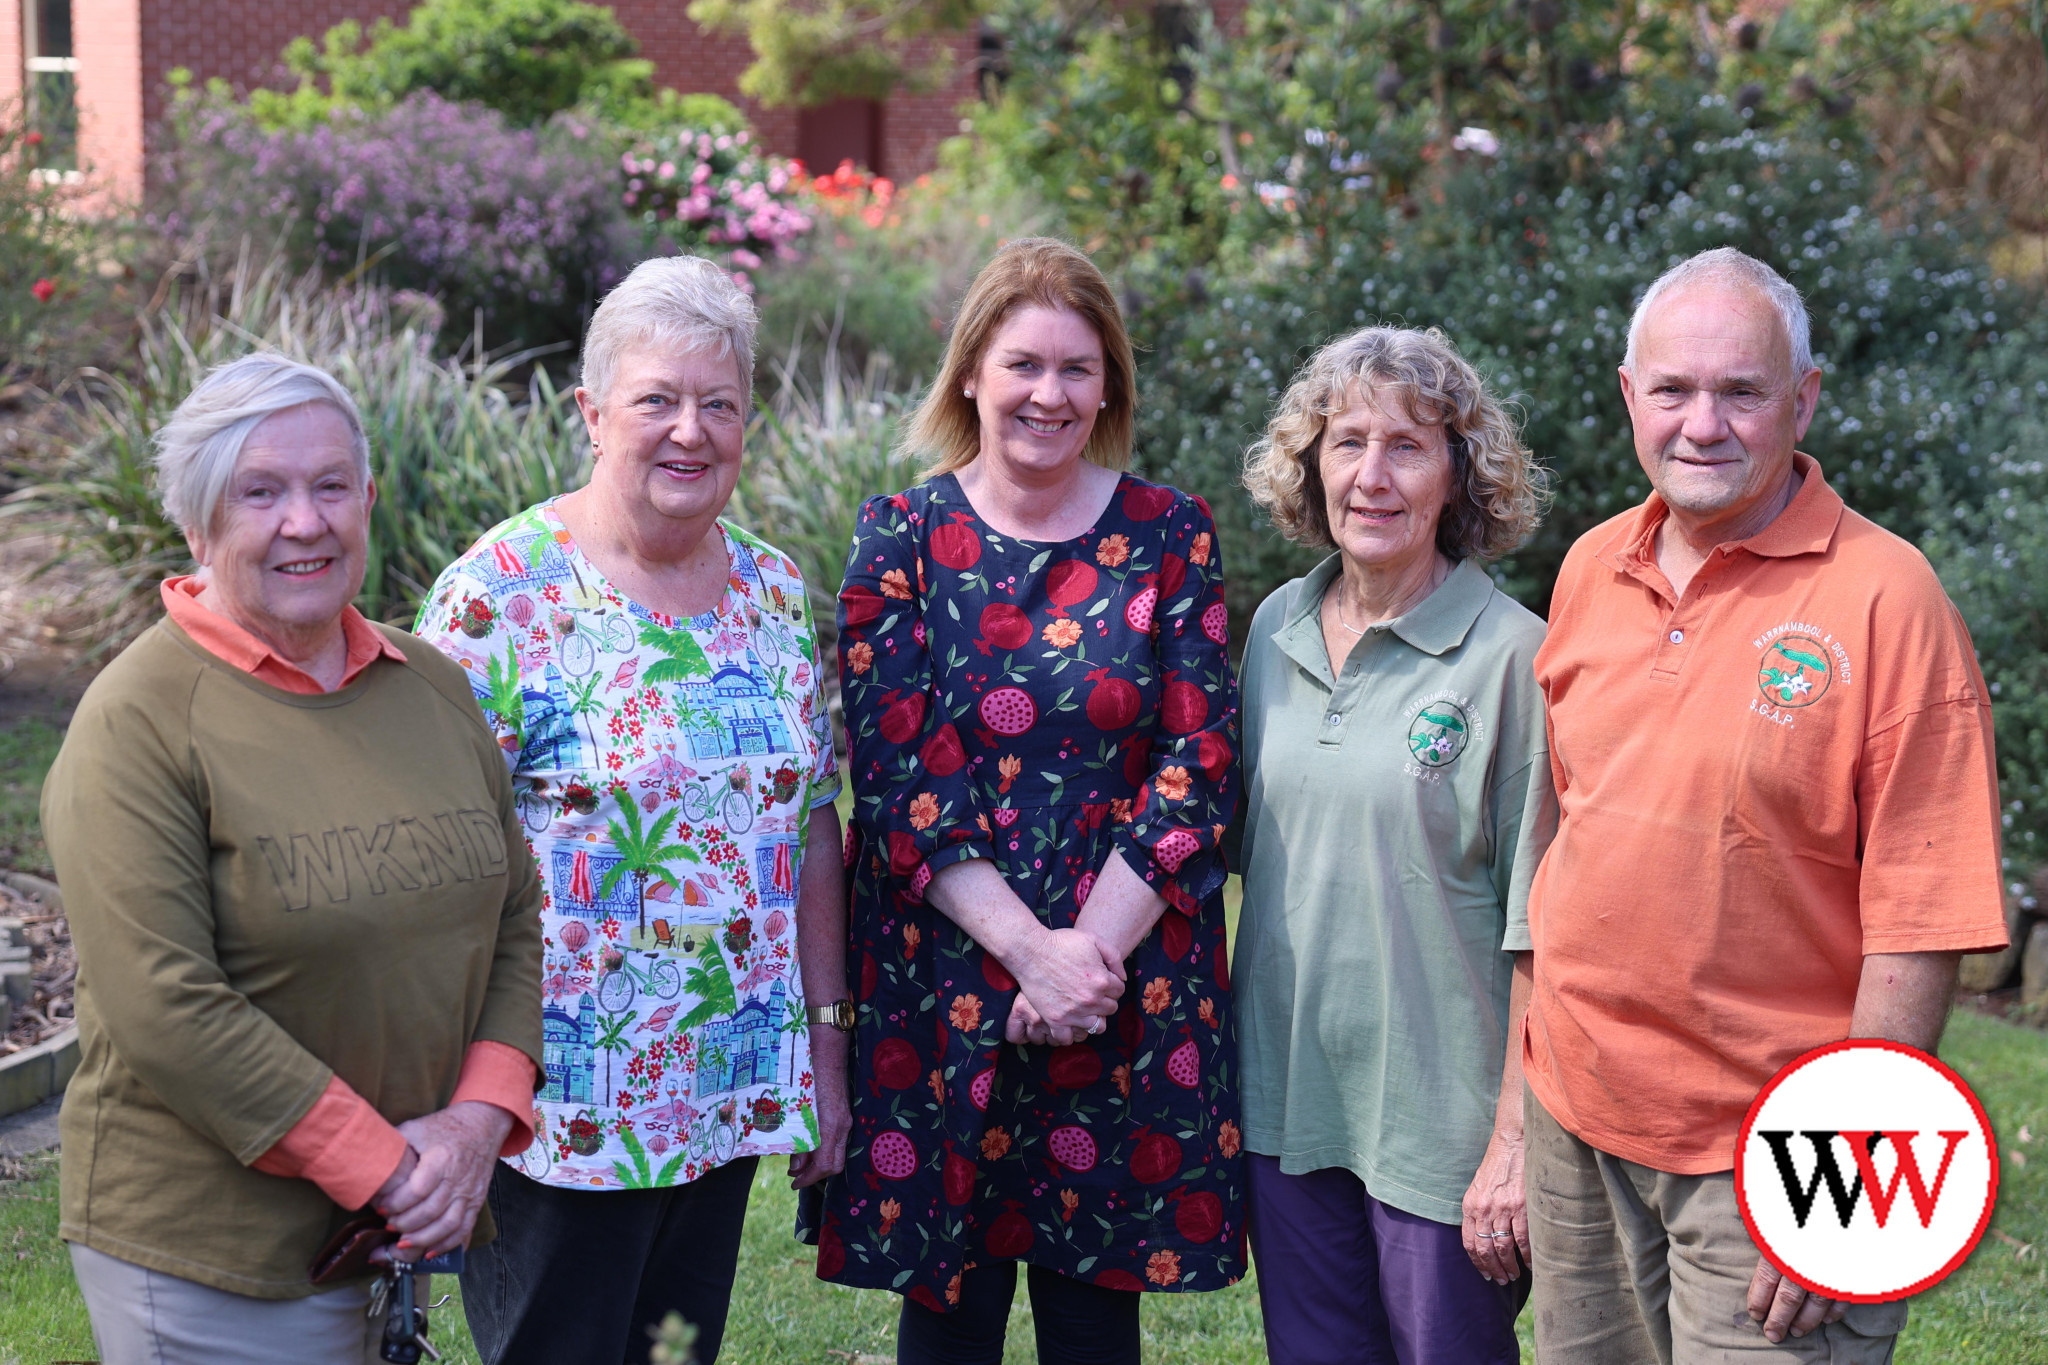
(308, 932)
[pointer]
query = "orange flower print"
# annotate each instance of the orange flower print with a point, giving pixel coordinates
(1113, 551)
(1173, 783)
(861, 657)
(982, 820)
(953, 1288)
(938, 1085)
(966, 1012)
(912, 936)
(1228, 1139)
(1158, 995)
(890, 1211)
(1198, 553)
(924, 810)
(896, 584)
(1069, 1201)
(994, 1143)
(1207, 1011)
(1163, 1269)
(1120, 810)
(1122, 1077)
(1009, 765)
(920, 573)
(1062, 633)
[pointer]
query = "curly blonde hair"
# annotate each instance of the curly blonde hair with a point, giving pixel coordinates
(1498, 491)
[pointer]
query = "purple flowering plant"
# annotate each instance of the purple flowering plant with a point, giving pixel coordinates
(716, 192)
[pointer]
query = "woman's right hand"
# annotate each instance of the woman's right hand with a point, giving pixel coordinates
(1072, 985)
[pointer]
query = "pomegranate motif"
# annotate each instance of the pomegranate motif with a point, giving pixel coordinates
(896, 1064)
(1074, 1148)
(1146, 501)
(831, 1252)
(904, 858)
(1005, 626)
(1138, 615)
(1216, 623)
(1176, 934)
(1199, 1217)
(1108, 1279)
(1213, 753)
(860, 604)
(868, 973)
(1184, 1067)
(1010, 1235)
(919, 880)
(1184, 707)
(1075, 1067)
(979, 1088)
(894, 1158)
(959, 1179)
(1082, 888)
(904, 717)
(1175, 848)
(1006, 816)
(996, 974)
(1137, 758)
(1114, 703)
(1009, 711)
(943, 754)
(1173, 571)
(1068, 582)
(956, 546)
(1157, 1158)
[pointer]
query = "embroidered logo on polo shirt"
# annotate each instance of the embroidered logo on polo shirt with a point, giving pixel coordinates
(1794, 670)
(1438, 732)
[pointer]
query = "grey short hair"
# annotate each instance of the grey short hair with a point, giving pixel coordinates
(197, 449)
(682, 301)
(1726, 265)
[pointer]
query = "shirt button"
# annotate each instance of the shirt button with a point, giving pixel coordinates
(1677, 637)
(1333, 718)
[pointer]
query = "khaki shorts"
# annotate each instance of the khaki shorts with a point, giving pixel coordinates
(1634, 1266)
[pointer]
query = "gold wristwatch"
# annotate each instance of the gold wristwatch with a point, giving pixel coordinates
(839, 1014)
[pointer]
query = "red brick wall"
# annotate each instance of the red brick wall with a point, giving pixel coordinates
(914, 125)
(236, 40)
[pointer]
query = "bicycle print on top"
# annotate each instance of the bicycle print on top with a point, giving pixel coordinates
(665, 771)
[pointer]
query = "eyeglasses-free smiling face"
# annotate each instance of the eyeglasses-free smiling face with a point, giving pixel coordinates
(1038, 388)
(670, 431)
(1386, 479)
(1715, 404)
(288, 548)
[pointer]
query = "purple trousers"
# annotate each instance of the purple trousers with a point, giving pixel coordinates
(1347, 1280)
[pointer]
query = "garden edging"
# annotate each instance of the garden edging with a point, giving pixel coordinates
(30, 1076)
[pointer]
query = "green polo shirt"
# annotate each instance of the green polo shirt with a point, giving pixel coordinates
(1396, 817)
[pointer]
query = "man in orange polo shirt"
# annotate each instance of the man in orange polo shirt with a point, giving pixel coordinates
(1778, 828)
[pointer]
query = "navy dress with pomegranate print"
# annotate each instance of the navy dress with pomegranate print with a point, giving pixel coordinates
(1042, 705)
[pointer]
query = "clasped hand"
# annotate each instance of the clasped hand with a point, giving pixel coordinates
(1068, 986)
(431, 1201)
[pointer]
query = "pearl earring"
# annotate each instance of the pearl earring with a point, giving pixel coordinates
(1103, 404)
(967, 393)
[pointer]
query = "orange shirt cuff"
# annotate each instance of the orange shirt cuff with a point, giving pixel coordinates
(499, 1074)
(343, 1145)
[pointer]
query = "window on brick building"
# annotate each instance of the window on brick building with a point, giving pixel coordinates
(843, 130)
(52, 85)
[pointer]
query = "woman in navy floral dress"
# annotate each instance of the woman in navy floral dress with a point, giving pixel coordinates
(1044, 725)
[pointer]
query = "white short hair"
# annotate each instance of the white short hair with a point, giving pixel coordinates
(682, 301)
(197, 449)
(1726, 265)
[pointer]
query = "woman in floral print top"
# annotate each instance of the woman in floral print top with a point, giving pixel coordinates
(652, 673)
(1043, 725)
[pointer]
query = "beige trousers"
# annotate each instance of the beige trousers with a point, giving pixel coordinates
(145, 1317)
(1635, 1266)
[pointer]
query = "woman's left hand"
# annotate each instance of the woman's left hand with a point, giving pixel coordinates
(1496, 1222)
(835, 1112)
(435, 1209)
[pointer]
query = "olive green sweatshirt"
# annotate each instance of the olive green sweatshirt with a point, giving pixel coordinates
(268, 889)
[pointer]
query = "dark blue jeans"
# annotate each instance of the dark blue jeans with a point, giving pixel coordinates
(1347, 1280)
(1077, 1323)
(579, 1277)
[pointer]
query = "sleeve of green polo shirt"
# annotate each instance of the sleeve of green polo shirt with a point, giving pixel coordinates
(1524, 803)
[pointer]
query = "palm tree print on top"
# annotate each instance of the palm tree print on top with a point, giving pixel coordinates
(665, 770)
(1041, 705)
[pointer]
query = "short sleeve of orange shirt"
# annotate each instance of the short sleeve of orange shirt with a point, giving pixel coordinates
(1757, 785)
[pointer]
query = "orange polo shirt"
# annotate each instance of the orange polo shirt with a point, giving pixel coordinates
(1758, 783)
(342, 1144)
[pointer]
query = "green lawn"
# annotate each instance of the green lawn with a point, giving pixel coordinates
(26, 748)
(1992, 1312)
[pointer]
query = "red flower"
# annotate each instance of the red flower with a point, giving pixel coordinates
(34, 139)
(42, 289)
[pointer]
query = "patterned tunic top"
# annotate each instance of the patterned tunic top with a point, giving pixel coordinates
(665, 771)
(1040, 705)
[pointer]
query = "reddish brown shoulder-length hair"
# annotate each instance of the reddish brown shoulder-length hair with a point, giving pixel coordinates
(1033, 270)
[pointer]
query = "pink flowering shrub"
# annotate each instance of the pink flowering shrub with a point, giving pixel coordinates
(714, 194)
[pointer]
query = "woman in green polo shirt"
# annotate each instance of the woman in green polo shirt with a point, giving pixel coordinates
(1399, 799)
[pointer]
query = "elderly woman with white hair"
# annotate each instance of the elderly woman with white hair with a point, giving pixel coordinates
(308, 955)
(1398, 804)
(651, 673)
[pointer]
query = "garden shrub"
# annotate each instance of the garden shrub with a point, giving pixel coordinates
(57, 307)
(519, 226)
(715, 194)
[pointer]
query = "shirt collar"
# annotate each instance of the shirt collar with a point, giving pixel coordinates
(1437, 624)
(1806, 526)
(228, 641)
